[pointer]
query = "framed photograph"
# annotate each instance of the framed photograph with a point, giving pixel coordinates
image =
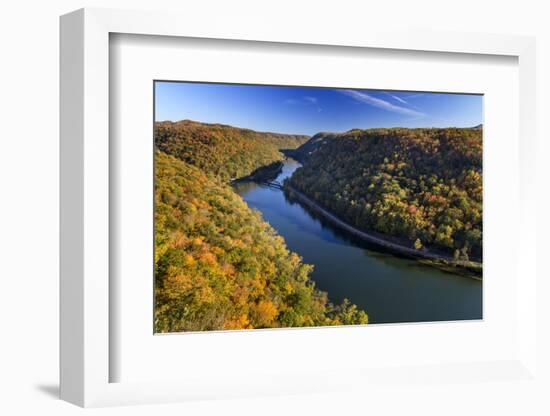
(369, 225)
(263, 212)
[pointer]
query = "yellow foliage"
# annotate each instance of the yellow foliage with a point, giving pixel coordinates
(178, 239)
(219, 265)
(240, 322)
(208, 257)
(263, 313)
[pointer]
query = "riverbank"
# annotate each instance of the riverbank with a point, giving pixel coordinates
(425, 256)
(263, 173)
(391, 287)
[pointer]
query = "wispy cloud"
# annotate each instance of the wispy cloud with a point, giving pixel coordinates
(380, 103)
(396, 98)
(403, 101)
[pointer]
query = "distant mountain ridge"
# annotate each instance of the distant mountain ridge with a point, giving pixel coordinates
(320, 139)
(227, 152)
(222, 125)
(310, 146)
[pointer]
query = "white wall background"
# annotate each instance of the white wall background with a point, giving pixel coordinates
(29, 206)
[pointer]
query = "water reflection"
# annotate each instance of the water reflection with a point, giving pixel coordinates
(389, 288)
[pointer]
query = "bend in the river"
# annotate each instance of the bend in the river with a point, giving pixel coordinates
(389, 288)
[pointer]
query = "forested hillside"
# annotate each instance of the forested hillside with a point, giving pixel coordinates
(225, 151)
(218, 265)
(420, 186)
(304, 151)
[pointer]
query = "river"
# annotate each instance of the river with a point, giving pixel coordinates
(390, 289)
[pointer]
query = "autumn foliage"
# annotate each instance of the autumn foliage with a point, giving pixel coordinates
(225, 151)
(218, 264)
(422, 187)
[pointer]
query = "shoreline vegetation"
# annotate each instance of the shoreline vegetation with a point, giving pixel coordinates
(423, 255)
(262, 174)
(218, 264)
(417, 188)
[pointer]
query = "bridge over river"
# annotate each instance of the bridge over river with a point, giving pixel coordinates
(272, 184)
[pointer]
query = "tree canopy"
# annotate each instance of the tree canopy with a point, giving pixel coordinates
(218, 264)
(421, 186)
(225, 151)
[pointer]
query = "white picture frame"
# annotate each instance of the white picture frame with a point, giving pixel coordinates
(85, 220)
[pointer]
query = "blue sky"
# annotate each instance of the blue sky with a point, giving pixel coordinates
(305, 110)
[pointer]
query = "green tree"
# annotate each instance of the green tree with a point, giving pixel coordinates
(410, 184)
